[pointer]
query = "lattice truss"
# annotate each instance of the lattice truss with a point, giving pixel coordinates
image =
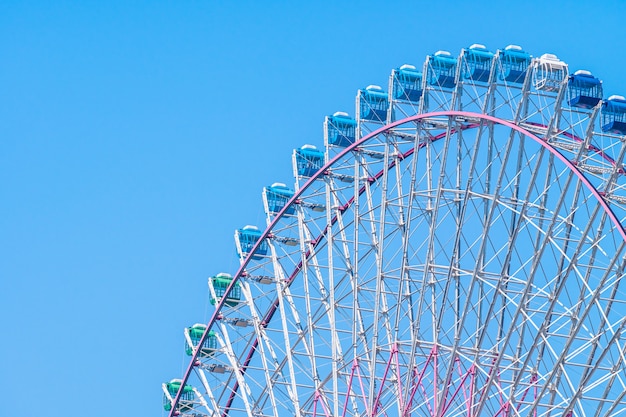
(456, 249)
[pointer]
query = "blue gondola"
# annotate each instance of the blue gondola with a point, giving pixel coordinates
(407, 83)
(373, 104)
(194, 334)
(340, 129)
(549, 72)
(442, 69)
(308, 160)
(514, 62)
(614, 115)
(246, 238)
(478, 63)
(276, 197)
(584, 90)
(220, 284)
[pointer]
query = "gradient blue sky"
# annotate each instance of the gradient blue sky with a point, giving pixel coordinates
(136, 136)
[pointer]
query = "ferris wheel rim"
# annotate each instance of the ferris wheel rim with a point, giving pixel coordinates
(241, 272)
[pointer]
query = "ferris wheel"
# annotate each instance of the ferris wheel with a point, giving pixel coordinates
(455, 249)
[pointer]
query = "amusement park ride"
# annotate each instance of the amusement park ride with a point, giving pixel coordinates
(455, 249)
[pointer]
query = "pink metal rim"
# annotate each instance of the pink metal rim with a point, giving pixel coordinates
(241, 271)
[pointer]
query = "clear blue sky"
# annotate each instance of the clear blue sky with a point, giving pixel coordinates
(135, 137)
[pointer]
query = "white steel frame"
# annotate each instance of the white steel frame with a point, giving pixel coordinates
(462, 259)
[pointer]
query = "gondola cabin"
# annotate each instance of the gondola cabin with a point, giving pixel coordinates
(549, 72)
(193, 334)
(372, 103)
(477, 60)
(276, 196)
(220, 284)
(246, 238)
(614, 115)
(584, 90)
(441, 68)
(308, 160)
(340, 129)
(514, 63)
(185, 402)
(406, 84)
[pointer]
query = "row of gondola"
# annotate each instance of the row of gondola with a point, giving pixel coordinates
(476, 64)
